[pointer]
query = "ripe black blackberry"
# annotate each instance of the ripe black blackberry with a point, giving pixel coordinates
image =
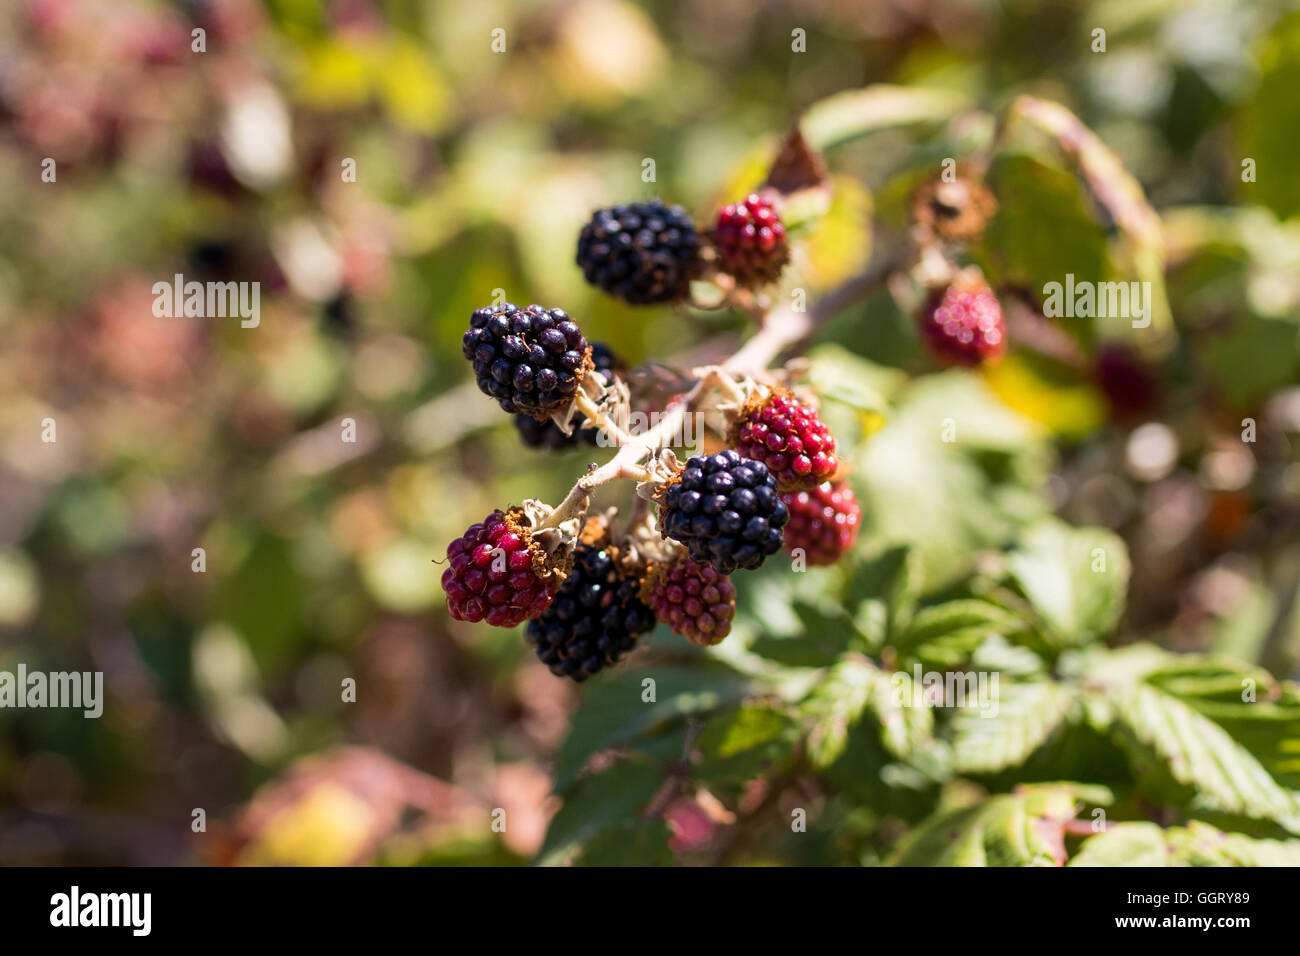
(641, 252)
(595, 619)
(726, 510)
(547, 434)
(530, 360)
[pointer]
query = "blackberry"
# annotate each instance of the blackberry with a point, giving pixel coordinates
(726, 510)
(547, 434)
(641, 252)
(750, 241)
(693, 599)
(789, 437)
(823, 522)
(962, 323)
(595, 619)
(493, 573)
(530, 360)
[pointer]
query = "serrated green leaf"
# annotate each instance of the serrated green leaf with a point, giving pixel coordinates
(906, 721)
(1183, 755)
(739, 744)
(613, 712)
(604, 801)
(998, 832)
(1124, 844)
(988, 741)
(836, 705)
(883, 590)
(1197, 844)
(1074, 577)
(948, 634)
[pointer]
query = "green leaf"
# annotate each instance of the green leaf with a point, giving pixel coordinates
(740, 744)
(1124, 844)
(1002, 831)
(606, 801)
(1139, 247)
(1198, 844)
(836, 705)
(1184, 757)
(952, 631)
(633, 843)
(950, 499)
(884, 590)
(1037, 200)
(1074, 577)
(847, 115)
(988, 741)
(906, 721)
(613, 713)
(837, 374)
(1268, 121)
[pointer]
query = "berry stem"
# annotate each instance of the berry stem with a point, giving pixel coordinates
(599, 417)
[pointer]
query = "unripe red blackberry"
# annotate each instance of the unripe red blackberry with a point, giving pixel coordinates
(788, 437)
(530, 360)
(725, 509)
(595, 618)
(497, 573)
(823, 522)
(750, 241)
(693, 599)
(641, 252)
(962, 323)
(547, 434)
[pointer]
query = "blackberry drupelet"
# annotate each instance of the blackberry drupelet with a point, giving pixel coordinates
(530, 360)
(547, 434)
(642, 252)
(595, 619)
(726, 510)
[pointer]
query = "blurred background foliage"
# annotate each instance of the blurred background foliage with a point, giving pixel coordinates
(474, 172)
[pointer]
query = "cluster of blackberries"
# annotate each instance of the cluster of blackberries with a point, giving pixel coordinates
(642, 252)
(646, 252)
(530, 360)
(547, 434)
(595, 619)
(726, 510)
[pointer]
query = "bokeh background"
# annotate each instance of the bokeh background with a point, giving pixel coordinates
(474, 172)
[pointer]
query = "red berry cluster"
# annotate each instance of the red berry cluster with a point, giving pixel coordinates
(493, 574)
(823, 522)
(789, 437)
(750, 240)
(693, 599)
